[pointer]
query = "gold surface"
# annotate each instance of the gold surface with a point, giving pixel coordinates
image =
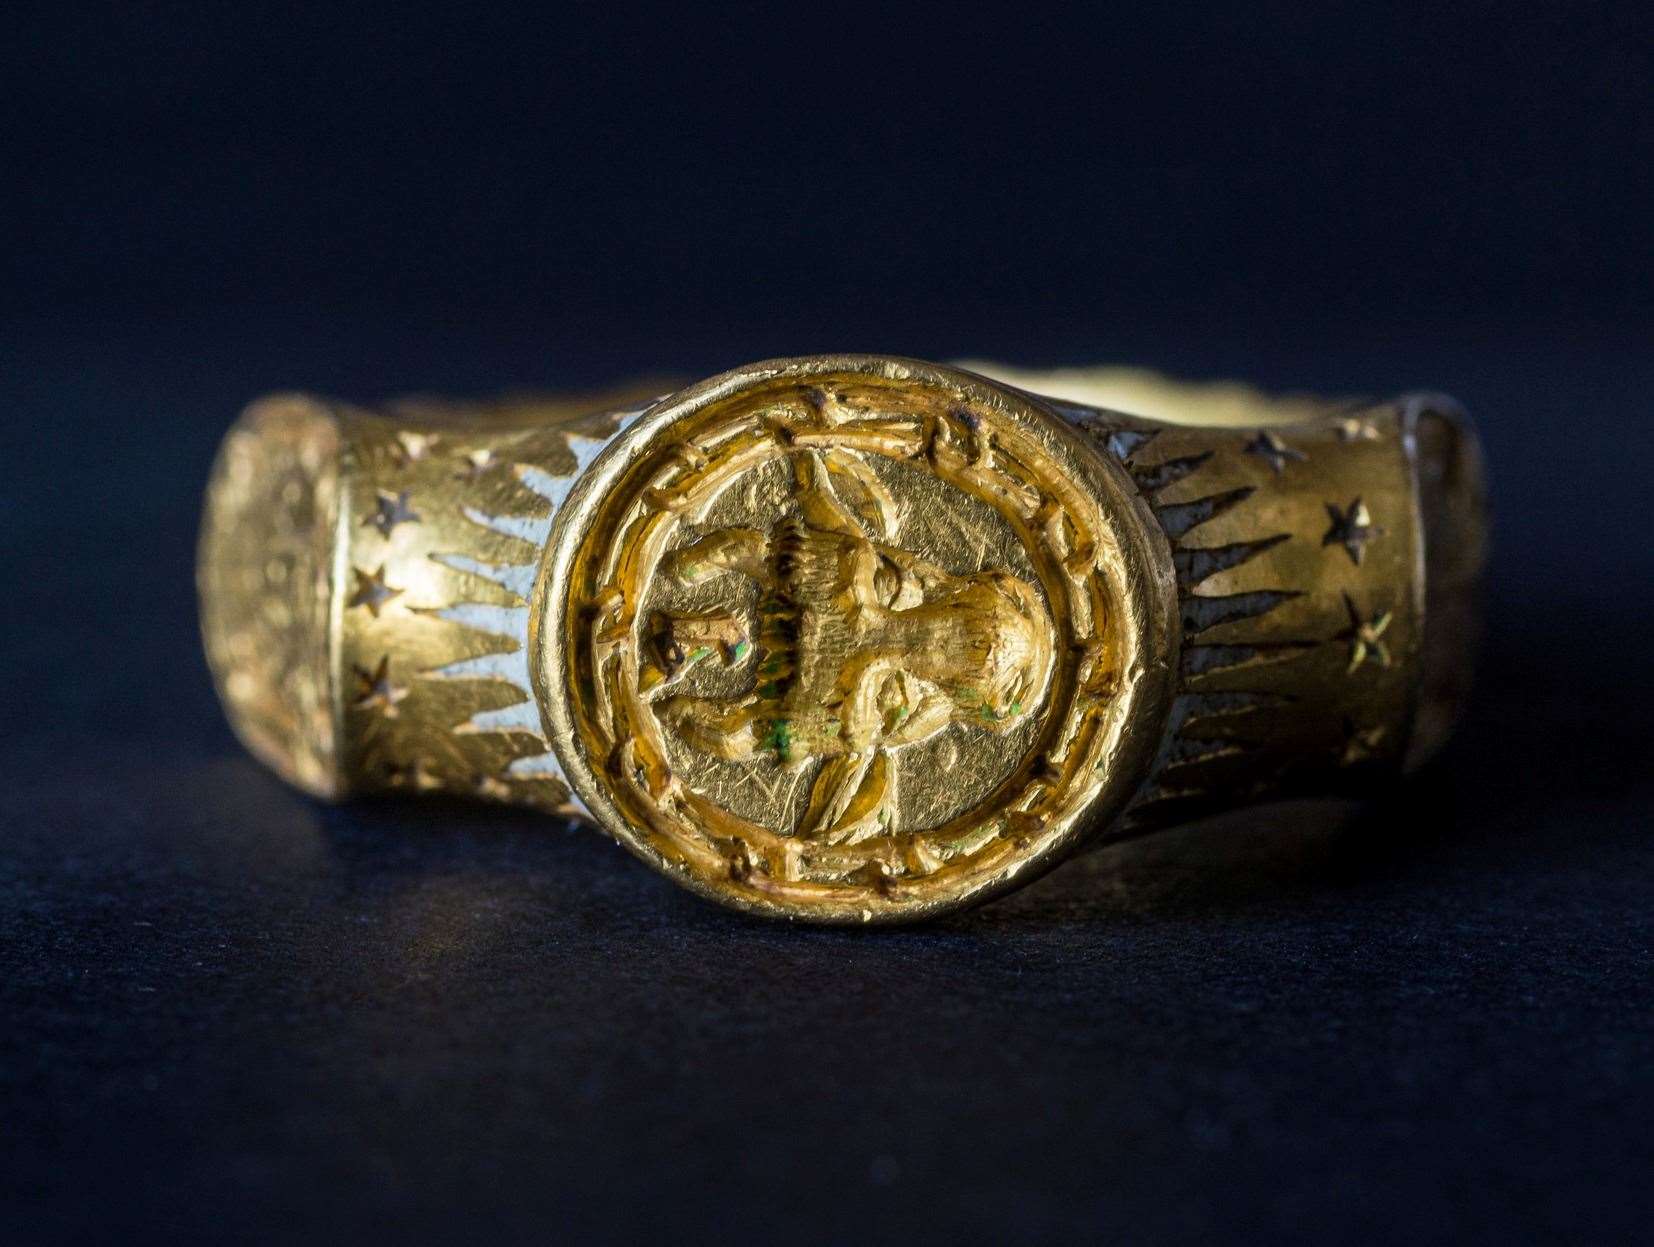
(977, 617)
(848, 638)
(265, 575)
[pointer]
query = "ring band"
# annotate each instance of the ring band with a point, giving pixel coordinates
(849, 638)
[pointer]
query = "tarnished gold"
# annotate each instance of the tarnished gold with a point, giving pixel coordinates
(852, 638)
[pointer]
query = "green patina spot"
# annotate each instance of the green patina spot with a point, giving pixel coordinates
(780, 738)
(700, 652)
(740, 650)
(771, 689)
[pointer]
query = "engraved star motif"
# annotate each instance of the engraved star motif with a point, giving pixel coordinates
(1360, 745)
(372, 591)
(1355, 429)
(476, 463)
(1351, 528)
(412, 447)
(1366, 637)
(378, 691)
(416, 775)
(391, 510)
(1272, 450)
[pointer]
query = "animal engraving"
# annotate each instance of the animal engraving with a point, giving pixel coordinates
(858, 647)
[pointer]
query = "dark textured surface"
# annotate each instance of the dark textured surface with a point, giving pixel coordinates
(229, 1014)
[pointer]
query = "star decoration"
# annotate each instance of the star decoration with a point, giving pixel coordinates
(1366, 637)
(378, 691)
(416, 775)
(1270, 448)
(476, 463)
(1351, 528)
(372, 591)
(1355, 429)
(1360, 745)
(412, 447)
(391, 510)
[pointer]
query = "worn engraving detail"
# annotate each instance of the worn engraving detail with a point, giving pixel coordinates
(389, 510)
(1265, 693)
(1361, 745)
(372, 592)
(862, 647)
(1366, 636)
(1269, 447)
(1356, 429)
(377, 691)
(802, 611)
(265, 575)
(410, 446)
(1351, 527)
(508, 622)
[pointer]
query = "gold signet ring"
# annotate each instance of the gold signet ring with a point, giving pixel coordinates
(848, 638)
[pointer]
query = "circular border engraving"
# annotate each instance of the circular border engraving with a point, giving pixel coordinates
(1104, 580)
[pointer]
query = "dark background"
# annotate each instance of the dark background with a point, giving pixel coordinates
(227, 1013)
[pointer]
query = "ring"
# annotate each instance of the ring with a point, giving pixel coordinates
(849, 639)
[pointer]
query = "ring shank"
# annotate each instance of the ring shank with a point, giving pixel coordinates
(1330, 554)
(365, 577)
